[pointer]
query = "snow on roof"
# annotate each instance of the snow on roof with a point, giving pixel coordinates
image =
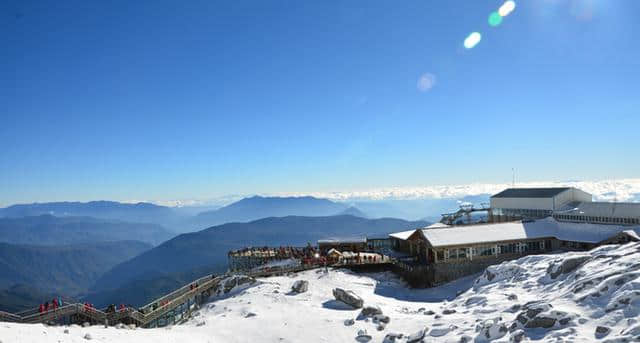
(437, 225)
(333, 251)
(403, 235)
(543, 228)
(531, 192)
(342, 240)
(604, 209)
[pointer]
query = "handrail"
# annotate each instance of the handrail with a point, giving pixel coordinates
(142, 316)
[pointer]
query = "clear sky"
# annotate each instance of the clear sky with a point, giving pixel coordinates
(168, 100)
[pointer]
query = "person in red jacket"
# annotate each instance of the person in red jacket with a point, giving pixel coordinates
(54, 303)
(41, 308)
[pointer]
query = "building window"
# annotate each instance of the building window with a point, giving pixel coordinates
(440, 255)
(462, 253)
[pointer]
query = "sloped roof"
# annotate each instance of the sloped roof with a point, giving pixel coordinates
(544, 228)
(531, 192)
(437, 225)
(607, 209)
(403, 235)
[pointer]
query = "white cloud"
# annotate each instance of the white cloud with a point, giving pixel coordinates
(604, 190)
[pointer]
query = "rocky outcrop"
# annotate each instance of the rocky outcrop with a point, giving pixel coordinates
(566, 265)
(369, 311)
(348, 297)
(300, 286)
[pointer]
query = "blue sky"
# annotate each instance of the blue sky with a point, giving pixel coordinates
(165, 100)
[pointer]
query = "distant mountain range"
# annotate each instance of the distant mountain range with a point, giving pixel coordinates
(68, 269)
(50, 230)
(140, 212)
(257, 207)
(209, 247)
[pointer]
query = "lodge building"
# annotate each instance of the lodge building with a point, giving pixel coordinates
(523, 221)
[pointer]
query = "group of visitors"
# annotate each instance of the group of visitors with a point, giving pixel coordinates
(193, 286)
(112, 308)
(46, 307)
(282, 252)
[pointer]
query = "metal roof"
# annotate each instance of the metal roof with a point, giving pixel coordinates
(604, 209)
(543, 228)
(531, 192)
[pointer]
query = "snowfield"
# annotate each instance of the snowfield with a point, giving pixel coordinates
(572, 297)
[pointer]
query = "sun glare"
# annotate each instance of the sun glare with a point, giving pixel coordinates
(472, 40)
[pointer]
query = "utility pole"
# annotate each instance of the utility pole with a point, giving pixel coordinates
(513, 178)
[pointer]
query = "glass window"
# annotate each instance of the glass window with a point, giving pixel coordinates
(462, 253)
(440, 255)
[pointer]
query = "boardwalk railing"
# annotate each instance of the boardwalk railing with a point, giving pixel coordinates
(146, 315)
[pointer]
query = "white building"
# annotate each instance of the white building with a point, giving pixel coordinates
(534, 203)
(615, 213)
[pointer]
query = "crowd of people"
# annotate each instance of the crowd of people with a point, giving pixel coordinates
(283, 252)
(49, 306)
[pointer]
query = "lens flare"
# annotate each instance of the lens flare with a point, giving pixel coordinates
(507, 8)
(495, 19)
(472, 40)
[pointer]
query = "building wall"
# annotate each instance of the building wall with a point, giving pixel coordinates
(523, 203)
(571, 195)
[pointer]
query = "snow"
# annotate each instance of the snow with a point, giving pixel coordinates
(572, 297)
(403, 235)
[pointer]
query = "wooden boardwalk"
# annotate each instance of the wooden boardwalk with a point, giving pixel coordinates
(183, 300)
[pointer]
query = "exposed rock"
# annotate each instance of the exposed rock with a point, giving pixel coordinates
(514, 308)
(87, 336)
(392, 337)
(349, 322)
(66, 330)
(512, 297)
(381, 326)
(465, 339)
(602, 331)
(348, 297)
(429, 313)
(381, 318)
(363, 336)
(417, 336)
(491, 329)
(300, 286)
(541, 322)
(369, 311)
(448, 311)
(250, 314)
(233, 281)
(567, 265)
(517, 336)
(441, 331)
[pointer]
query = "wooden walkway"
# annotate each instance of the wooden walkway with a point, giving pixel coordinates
(146, 316)
(179, 303)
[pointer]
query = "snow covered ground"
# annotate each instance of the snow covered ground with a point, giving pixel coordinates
(571, 297)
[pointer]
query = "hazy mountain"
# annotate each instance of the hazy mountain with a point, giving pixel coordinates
(51, 230)
(21, 297)
(209, 247)
(353, 211)
(257, 207)
(414, 209)
(66, 269)
(136, 213)
(140, 292)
